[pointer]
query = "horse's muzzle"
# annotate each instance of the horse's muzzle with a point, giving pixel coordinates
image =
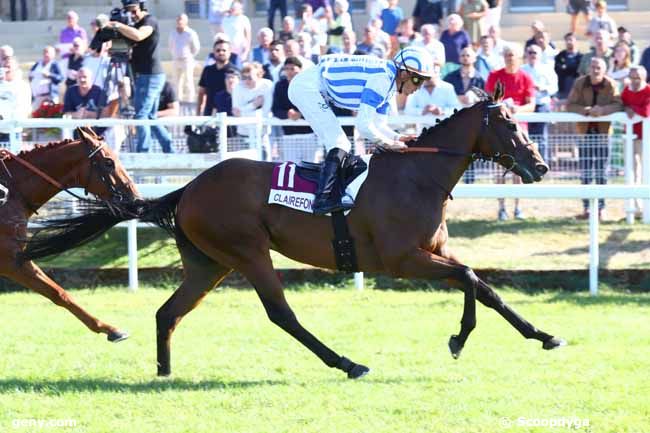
(541, 169)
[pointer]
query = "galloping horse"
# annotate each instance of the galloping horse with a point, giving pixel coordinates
(221, 221)
(34, 177)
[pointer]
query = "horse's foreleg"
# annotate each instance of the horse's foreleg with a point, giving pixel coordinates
(423, 264)
(269, 290)
(33, 277)
(489, 298)
(195, 285)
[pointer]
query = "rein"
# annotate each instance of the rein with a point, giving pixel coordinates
(6, 155)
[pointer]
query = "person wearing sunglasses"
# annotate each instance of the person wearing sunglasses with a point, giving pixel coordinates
(365, 84)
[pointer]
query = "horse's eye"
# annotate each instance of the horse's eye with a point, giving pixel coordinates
(512, 126)
(110, 164)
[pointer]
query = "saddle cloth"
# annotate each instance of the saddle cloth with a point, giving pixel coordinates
(294, 185)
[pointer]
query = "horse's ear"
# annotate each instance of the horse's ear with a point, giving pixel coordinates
(86, 133)
(498, 92)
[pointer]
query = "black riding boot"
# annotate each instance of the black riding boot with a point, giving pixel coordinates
(326, 199)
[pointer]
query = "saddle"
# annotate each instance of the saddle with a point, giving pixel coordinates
(294, 185)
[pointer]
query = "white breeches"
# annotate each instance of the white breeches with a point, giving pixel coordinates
(305, 94)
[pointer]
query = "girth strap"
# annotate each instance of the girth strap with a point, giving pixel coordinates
(344, 251)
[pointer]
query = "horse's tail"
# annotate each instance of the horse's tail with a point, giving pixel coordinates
(161, 211)
(59, 235)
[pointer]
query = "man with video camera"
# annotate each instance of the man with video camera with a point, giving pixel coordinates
(142, 30)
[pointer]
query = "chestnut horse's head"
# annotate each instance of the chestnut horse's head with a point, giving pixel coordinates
(103, 175)
(503, 141)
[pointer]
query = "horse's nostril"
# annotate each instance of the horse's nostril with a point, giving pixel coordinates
(542, 169)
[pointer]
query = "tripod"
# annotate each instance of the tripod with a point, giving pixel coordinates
(118, 71)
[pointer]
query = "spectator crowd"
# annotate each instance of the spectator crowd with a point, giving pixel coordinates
(248, 70)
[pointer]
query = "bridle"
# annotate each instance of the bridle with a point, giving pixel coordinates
(103, 172)
(506, 160)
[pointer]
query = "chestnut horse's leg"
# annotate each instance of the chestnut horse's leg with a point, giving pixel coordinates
(489, 298)
(420, 263)
(198, 281)
(33, 277)
(269, 289)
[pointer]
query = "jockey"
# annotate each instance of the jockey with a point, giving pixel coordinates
(365, 84)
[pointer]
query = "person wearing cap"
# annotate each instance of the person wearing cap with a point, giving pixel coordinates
(145, 63)
(365, 84)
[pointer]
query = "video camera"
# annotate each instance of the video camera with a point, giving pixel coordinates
(121, 45)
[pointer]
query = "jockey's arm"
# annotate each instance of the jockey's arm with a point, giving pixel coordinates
(374, 126)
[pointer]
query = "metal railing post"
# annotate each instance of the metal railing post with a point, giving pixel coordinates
(132, 235)
(645, 167)
(222, 124)
(628, 161)
(593, 246)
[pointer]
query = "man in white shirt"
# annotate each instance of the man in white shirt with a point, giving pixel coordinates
(546, 85)
(184, 45)
(435, 97)
(292, 49)
(431, 43)
(15, 102)
(548, 52)
(273, 69)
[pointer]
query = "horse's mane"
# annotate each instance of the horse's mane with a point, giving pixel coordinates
(38, 148)
(426, 132)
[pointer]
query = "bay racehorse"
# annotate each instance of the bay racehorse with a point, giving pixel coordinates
(222, 222)
(34, 177)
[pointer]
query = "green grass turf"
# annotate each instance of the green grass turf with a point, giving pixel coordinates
(546, 244)
(233, 371)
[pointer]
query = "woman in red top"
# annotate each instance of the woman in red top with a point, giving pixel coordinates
(636, 99)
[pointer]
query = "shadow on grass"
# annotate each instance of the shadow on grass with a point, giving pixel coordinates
(608, 298)
(109, 247)
(474, 229)
(75, 385)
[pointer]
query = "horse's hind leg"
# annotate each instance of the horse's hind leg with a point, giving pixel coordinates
(33, 277)
(197, 282)
(262, 276)
(489, 298)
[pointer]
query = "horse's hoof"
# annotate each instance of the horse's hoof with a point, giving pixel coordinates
(117, 336)
(358, 371)
(554, 343)
(455, 346)
(164, 372)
